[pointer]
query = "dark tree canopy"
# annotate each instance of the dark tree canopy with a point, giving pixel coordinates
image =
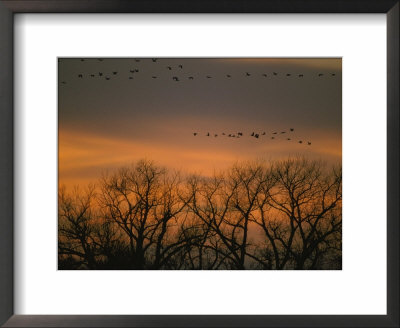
(270, 216)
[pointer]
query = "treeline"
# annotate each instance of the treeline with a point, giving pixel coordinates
(270, 216)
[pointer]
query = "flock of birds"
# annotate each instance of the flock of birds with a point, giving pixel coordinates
(177, 71)
(177, 75)
(253, 135)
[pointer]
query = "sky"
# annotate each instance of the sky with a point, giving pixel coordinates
(115, 111)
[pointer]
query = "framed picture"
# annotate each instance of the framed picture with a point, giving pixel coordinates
(164, 166)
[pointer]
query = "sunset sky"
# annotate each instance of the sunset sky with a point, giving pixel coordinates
(104, 124)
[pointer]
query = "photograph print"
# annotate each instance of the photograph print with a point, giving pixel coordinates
(199, 163)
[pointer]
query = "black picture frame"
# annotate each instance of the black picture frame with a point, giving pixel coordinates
(10, 7)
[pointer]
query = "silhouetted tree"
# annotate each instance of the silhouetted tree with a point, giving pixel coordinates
(301, 215)
(144, 202)
(76, 227)
(226, 204)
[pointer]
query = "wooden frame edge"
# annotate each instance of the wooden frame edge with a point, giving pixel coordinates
(9, 8)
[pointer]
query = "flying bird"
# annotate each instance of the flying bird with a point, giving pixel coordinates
(288, 139)
(300, 141)
(288, 74)
(309, 143)
(115, 73)
(275, 73)
(333, 74)
(195, 133)
(248, 74)
(291, 129)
